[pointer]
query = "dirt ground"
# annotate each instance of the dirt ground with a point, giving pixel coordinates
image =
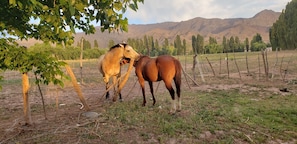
(64, 116)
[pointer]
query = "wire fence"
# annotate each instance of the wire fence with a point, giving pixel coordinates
(270, 66)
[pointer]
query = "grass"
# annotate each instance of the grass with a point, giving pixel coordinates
(229, 116)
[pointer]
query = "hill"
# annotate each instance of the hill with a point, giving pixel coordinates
(215, 27)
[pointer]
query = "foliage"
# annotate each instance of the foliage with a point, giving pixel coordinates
(197, 44)
(111, 43)
(247, 45)
(213, 48)
(283, 32)
(150, 46)
(257, 44)
(56, 21)
(67, 53)
(96, 45)
(178, 44)
(225, 45)
(46, 67)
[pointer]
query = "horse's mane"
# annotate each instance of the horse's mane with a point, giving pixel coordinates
(118, 46)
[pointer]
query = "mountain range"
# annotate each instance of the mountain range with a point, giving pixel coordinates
(214, 27)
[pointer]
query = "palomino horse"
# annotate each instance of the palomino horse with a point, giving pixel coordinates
(164, 67)
(110, 64)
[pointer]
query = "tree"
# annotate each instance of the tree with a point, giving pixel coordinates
(86, 44)
(256, 43)
(111, 43)
(213, 46)
(247, 45)
(200, 44)
(96, 44)
(194, 44)
(224, 43)
(232, 43)
(184, 47)
(283, 32)
(238, 47)
(166, 43)
(146, 44)
(178, 45)
(56, 21)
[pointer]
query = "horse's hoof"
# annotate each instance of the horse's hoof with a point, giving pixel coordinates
(121, 100)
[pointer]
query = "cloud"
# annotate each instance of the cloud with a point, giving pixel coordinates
(156, 11)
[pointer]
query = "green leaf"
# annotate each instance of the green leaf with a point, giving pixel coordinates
(118, 6)
(71, 9)
(110, 12)
(133, 7)
(12, 2)
(79, 6)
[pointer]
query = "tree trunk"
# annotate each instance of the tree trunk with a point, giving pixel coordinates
(27, 110)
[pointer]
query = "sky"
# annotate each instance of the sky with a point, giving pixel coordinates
(157, 11)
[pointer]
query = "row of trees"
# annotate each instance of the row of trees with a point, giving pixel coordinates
(67, 52)
(233, 44)
(150, 46)
(284, 31)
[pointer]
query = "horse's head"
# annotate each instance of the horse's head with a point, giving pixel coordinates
(129, 52)
(141, 59)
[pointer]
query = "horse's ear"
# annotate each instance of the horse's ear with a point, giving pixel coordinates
(123, 45)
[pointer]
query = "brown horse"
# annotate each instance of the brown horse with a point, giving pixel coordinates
(164, 67)
(110, 64)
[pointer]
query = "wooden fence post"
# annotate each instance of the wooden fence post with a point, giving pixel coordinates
(26, 108)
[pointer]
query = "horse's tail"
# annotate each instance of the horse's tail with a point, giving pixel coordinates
(178, 74)
(100, 59)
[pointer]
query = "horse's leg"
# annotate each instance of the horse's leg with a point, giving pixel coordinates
(152, 92)
(106, 80)
(141, 82)
(119, 91)
(177, 85)
(171, 91)
(107, 93)
(114, 79)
